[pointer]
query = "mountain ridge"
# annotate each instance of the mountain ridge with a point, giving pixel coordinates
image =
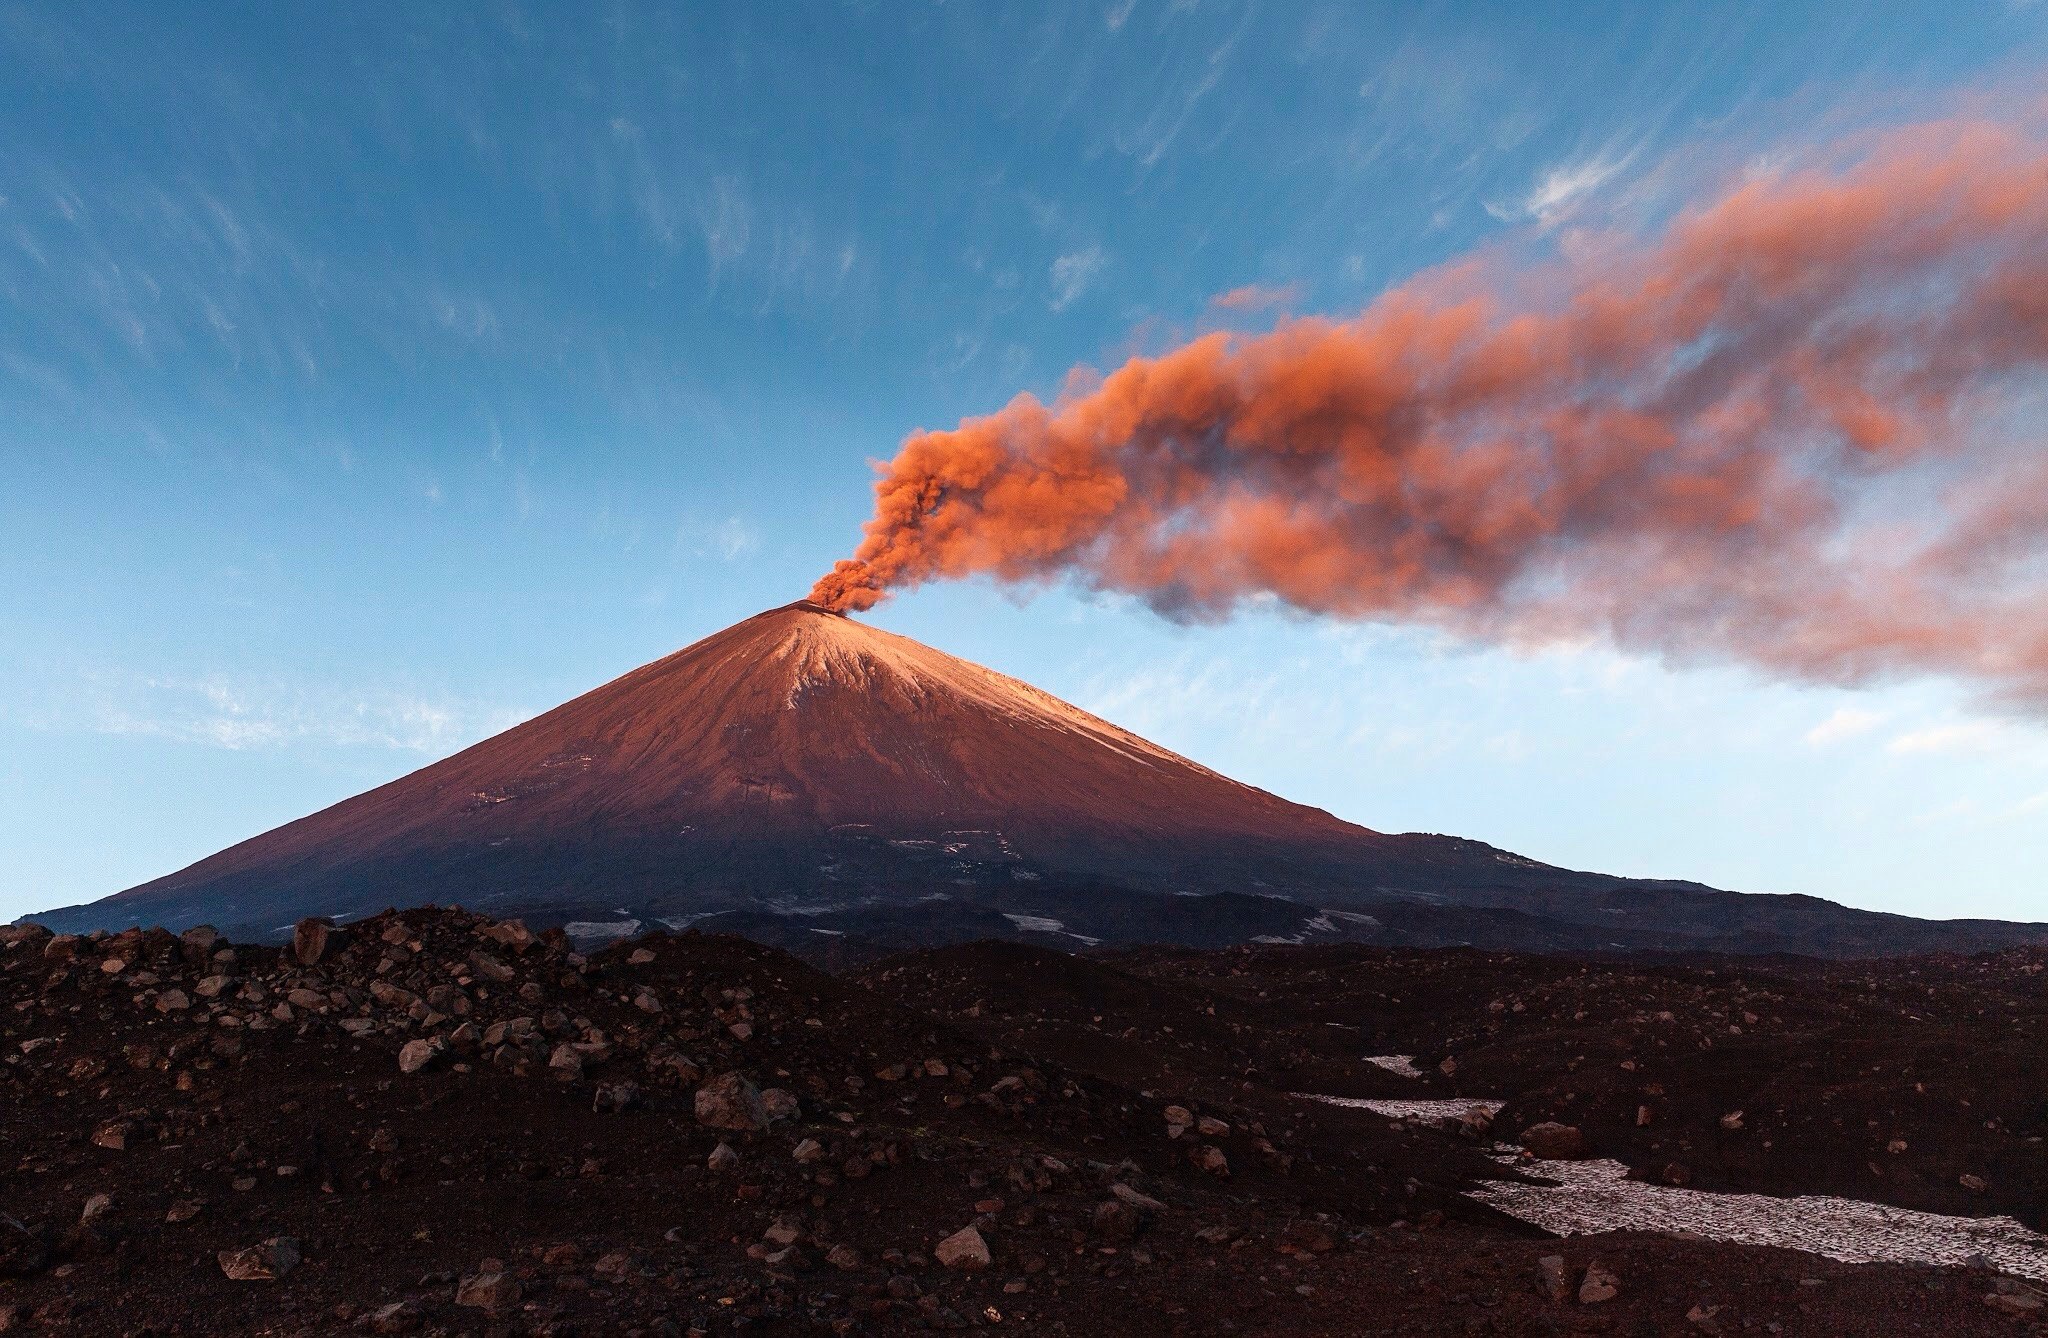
(801, 763)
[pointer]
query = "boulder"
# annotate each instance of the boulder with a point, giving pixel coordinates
(261, 1263)
(416, 1055)
(1551, 1141)
(1599, 1284)
(309, 940)
(1552, 1279)
(489, 1289)
(964, 1250)
(730, 1101)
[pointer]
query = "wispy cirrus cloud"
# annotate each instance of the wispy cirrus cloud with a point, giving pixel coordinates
(1072, 273)
(1847, 722)
(1561, 188)
(728, 539)
(1964, 736)
(1256, 297)
(239, 714)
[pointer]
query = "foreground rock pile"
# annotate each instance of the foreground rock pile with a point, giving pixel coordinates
(433, 1122)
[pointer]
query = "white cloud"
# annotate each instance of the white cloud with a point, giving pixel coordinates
(1969, 736)
(728, 540)
(733, 538)
(241, 715)
(462, 315)
(1119, 14)
(2035, 803)
(1559, 189)
(724, 217)
(1072, 273)
(1846, 723)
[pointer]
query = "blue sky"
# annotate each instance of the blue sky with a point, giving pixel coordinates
(373, 378)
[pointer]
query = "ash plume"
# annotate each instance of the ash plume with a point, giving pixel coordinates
(1799, 427)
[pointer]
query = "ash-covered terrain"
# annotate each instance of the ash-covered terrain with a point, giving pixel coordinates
(433, 1122)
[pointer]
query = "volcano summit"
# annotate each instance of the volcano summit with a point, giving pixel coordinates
(801, 774)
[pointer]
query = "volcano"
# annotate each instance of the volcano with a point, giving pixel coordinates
(802, 774)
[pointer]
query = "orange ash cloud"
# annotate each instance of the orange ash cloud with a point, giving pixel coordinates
(1800, 428)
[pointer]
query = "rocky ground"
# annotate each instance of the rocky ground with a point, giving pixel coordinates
(430, 1122)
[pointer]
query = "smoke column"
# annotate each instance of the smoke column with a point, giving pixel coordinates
(1801, 427)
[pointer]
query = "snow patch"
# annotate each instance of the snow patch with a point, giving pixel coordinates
(601, 931)
(1430, 1112)
(1401, 1064)
(1595, 1196)
(1042, 924)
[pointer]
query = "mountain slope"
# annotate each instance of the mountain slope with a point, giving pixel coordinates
(801, 762)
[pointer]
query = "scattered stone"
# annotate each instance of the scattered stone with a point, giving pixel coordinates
(730, 1101)
(722, 1158)
(1210, 1158)
(1551, 1141)
(416, 1055)
(1552, 1279)
(565, 1062)
(96, 1207)
(808, 1151)
(173, 1001)
(490, 1289)
(511, 934)
(184, 1210)
(309, 940)
(261, 1263)
(964, 1250)
(613, 1097)
(398, 1317)
(1142, 1202)
(1599, 1284)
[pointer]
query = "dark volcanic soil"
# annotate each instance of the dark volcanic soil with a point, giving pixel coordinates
(461, 1128)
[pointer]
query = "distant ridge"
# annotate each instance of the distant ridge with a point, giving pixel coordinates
(805, 766)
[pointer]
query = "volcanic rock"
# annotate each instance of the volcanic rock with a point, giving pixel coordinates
(489, 1289)
(309, 940)
(729, 1101)
(1551, 1141)
(964, 1250)
(261, 1263)
(1599, 1284)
